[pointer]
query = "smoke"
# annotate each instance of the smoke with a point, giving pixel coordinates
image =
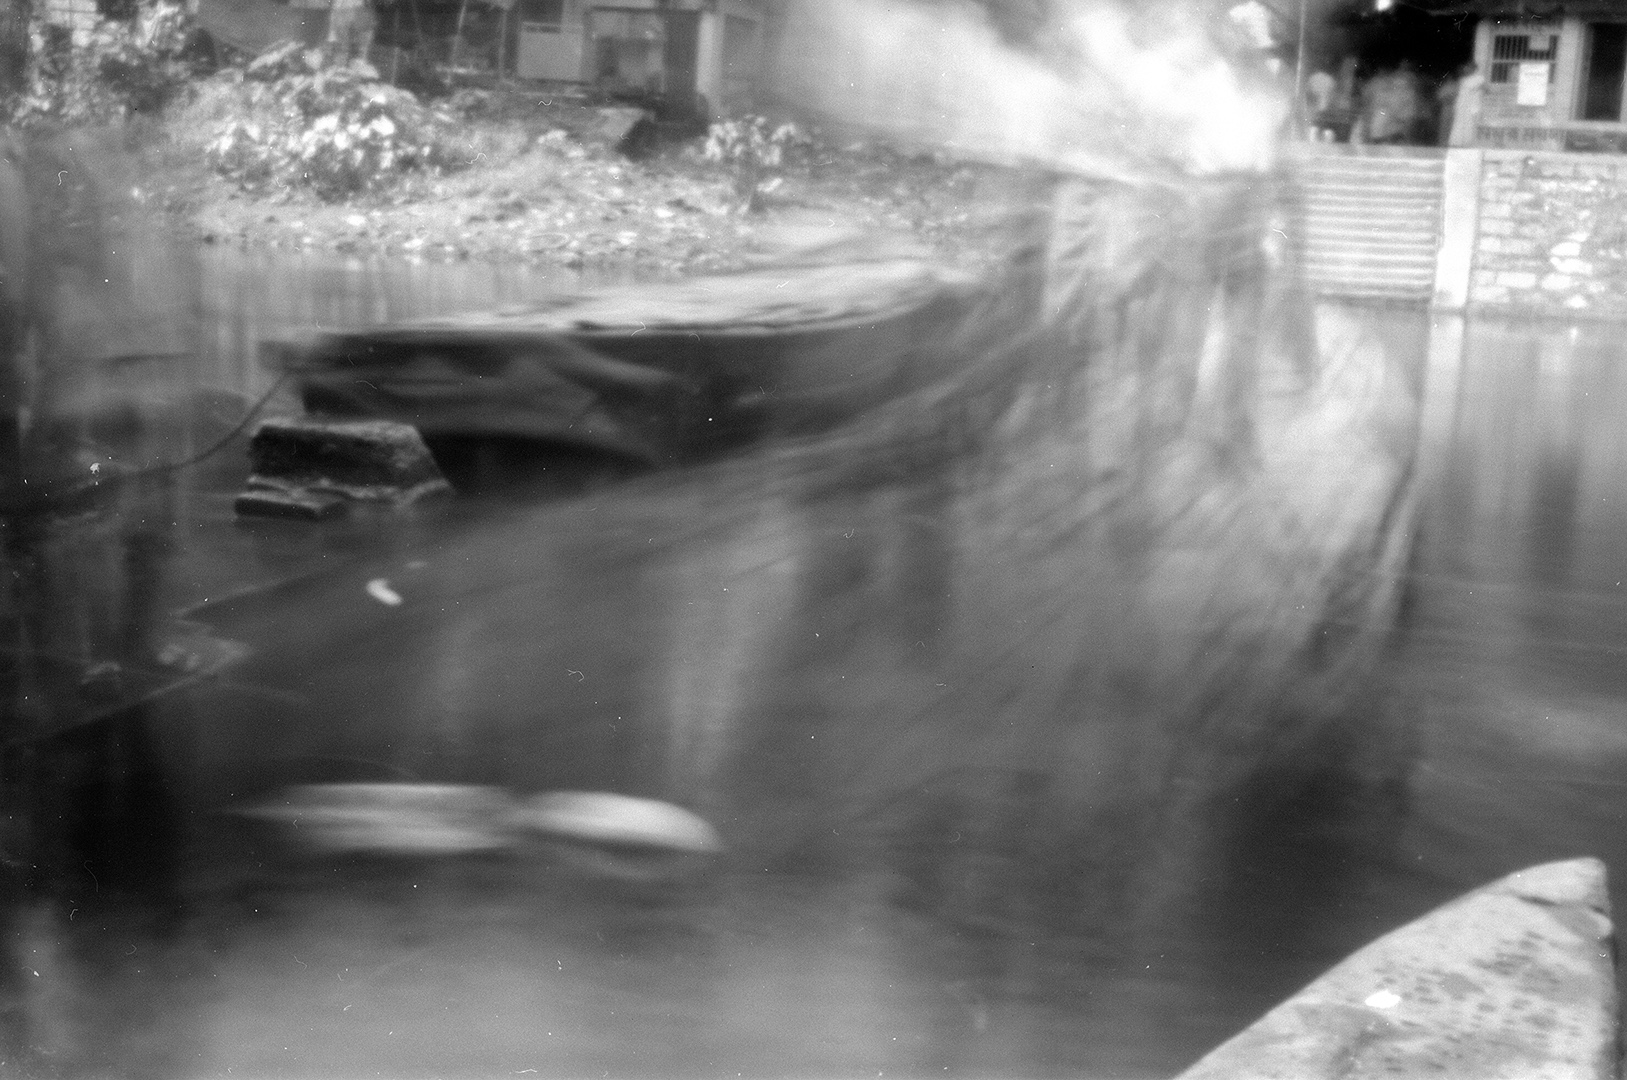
(1111, 90)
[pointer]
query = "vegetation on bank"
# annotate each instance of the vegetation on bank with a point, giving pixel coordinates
(300, 149)
(298, 120)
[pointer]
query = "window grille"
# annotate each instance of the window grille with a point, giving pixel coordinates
(1509, 51)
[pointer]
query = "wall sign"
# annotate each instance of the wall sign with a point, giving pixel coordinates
(1533, 85)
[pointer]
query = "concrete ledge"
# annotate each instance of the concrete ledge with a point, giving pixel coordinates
(1460, 213)
(1514, 980)
(1512, 153)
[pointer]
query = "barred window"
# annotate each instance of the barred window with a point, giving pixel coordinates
(1509, 51)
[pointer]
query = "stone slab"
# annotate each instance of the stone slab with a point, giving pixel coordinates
(1513, 980)
(310, 459)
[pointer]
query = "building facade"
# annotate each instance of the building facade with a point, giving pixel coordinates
(1551, 76)
(697, 55)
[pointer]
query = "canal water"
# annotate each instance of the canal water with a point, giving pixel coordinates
(589, 642)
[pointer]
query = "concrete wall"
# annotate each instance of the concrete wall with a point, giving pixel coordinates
(1550, 233)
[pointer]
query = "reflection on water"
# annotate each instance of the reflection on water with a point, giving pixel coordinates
(1515, 659)
(891, 902)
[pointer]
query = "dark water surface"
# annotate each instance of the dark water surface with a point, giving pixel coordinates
(618, 639)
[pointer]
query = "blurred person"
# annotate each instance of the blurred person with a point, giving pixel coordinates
(351, 25)
(1320, 91)
(1391, 108)
(16, 378)
(1461, 109)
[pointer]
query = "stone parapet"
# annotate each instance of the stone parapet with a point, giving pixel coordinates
(1552, 234)
(1541, 232)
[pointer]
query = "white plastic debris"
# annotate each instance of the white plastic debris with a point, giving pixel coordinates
(1382, 999)
(605, 818)
(425, 819)
(605, 834)
(379, 589)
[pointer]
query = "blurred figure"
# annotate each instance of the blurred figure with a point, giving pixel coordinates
(1320, 90)
(1460, 107)
(93, 296)
(350, 28)
(1120, 90)
(1391, 108)
(16, 381)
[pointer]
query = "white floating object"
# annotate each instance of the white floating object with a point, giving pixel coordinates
(1382, 999)
(379, 589)
(605, 818)
(425, 819)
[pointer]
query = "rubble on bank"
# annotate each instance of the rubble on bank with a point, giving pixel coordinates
(539, 178)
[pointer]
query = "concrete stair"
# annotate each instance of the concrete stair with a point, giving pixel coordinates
(1450, 994)
(1365, 224)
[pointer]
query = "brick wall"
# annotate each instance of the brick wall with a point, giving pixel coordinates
(1552, 233)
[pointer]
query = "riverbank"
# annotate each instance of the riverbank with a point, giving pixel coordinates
(542, 181)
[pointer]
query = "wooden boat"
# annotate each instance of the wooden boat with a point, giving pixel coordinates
(658, 373)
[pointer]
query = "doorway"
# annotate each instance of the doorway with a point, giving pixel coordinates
(682, 60)
(1606, 64)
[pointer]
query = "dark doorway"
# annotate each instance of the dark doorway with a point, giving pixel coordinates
(1606, 62)
(681, 60)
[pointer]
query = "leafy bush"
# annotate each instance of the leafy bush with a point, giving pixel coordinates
(333, 128)
(125, 68)
(751, 147)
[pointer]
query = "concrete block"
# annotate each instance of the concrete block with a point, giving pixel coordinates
(1557, 282)
(1565, 249)
(1577, 267)
(1489, 294)
(1496, 208)
(368, 460)
(1517, 279)
(1503, 226)
(1514, 980)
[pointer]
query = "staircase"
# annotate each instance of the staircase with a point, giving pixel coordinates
(1367, 224)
